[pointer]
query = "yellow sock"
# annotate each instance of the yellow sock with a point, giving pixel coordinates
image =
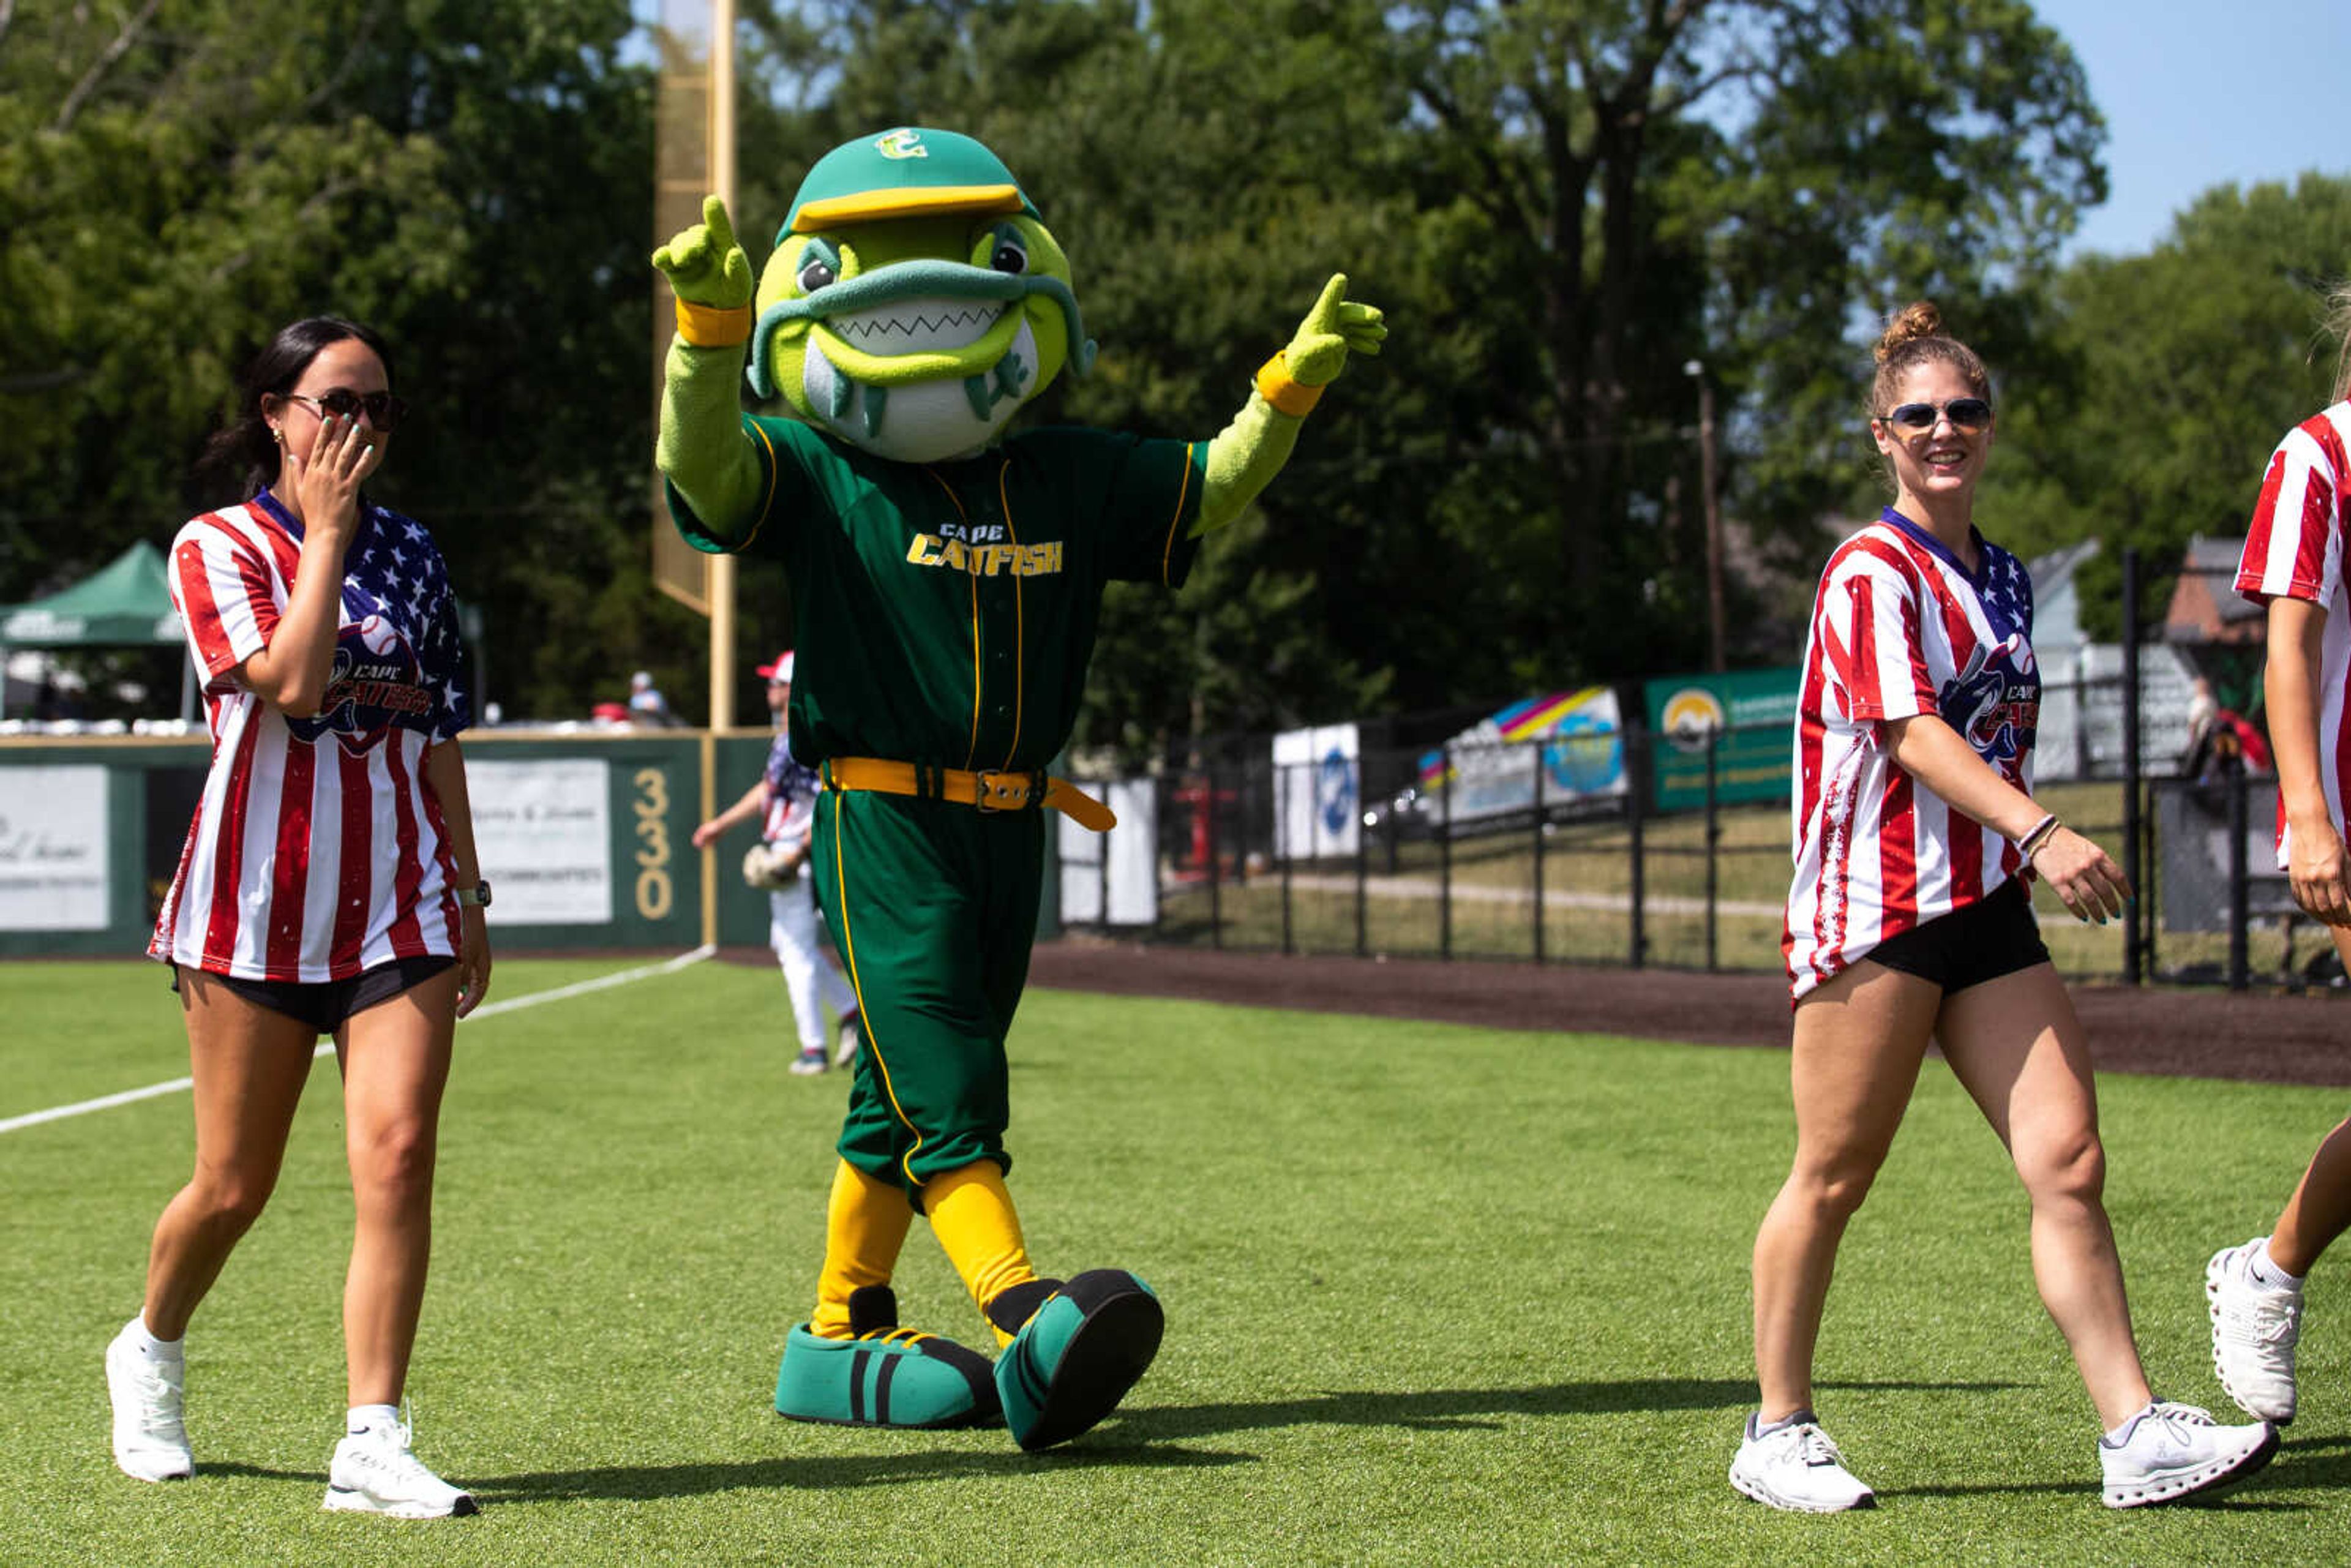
(973, 1216)
(864, 1226)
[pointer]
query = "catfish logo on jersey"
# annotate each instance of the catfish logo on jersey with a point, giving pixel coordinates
(375, 683)
(1995, 701)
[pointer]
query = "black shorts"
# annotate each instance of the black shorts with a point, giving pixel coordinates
(1993, 936)
(326, 1005)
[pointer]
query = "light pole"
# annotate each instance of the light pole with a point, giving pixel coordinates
(1696, 371)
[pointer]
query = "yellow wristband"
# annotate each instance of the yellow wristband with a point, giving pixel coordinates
(1293, 398)
(713, 327)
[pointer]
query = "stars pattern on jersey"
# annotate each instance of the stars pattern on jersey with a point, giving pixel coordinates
(398, 657)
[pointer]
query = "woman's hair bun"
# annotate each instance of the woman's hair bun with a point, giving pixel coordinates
(1913, 321)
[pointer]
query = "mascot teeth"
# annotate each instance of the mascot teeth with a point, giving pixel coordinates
(915, 325)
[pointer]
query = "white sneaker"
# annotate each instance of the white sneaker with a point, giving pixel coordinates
(2254, 1327)
(853, 1032)
(1797, 1467)
(150, 1442)
(373, 1472)
(2171, 1451)
(808, 1062)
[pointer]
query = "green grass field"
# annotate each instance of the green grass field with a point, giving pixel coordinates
(1435, 1295)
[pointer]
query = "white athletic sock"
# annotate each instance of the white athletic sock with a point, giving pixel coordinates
(367, 1418)
(2267, 1274)
(157, 1349)
(2114, 1438)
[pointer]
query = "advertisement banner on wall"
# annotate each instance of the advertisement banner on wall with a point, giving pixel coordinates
(1113, 878)
(543, 834)
(53, 849)
(1553, 750)
(1318, 792)
(1750, 713)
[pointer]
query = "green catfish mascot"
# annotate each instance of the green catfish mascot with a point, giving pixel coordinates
(946, 580)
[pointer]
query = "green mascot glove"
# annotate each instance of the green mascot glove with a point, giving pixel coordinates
(700, 446)
(1293, 380)
(1247, 454)
(712, 279)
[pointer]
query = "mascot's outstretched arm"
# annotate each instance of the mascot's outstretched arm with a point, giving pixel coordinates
(701, 447)
(1247, 452)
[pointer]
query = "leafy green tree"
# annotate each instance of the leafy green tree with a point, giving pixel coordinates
(2178, 372)
(184, 176)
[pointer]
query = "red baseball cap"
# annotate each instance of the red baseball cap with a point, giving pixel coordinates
(780, 672)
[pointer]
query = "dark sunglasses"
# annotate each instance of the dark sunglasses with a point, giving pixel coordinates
(1966, 413)
(383, 410)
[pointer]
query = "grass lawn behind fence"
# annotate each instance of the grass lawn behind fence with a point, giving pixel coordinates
(1435, 1295)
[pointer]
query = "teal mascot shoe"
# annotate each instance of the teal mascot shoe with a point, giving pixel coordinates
(887, 1375)
(1077, 1355)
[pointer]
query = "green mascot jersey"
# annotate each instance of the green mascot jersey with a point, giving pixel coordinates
(944, 614)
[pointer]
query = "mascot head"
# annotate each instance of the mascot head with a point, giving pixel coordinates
(915, 298)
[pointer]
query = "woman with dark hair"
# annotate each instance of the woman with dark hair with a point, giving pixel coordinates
(328, 887)
(2292, 562)
(1908, 923)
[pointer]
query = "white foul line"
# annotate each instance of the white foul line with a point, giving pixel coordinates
(491, 1010)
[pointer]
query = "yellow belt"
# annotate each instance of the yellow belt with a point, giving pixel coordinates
(1009, 790)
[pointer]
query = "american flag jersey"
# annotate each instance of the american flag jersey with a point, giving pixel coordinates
(318, 851)
(1900, 628)
(791, 797)
(2294, 551)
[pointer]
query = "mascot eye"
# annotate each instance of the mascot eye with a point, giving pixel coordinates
(820, 266)
(1009, 255)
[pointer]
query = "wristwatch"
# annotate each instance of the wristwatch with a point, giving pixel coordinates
(478, 894)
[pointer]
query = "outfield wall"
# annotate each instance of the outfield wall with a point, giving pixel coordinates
(586, 838)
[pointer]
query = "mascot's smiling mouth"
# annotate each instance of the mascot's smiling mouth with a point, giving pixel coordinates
(914, 325)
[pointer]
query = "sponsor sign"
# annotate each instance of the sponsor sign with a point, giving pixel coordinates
(1565, 747)
(543, 834)
(1318, 790)
(53, 849)
(1749, 718)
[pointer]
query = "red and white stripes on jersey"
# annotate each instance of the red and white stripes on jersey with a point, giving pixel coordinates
(318, 851)
(2294, 551)
(1900, 627)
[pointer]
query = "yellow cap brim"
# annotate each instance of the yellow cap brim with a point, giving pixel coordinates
(907, 201)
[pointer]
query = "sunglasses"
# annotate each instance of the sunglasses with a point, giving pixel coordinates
(1969, 414)
(383, 411)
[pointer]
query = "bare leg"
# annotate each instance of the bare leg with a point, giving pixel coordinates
(2320, 1210)
(396, 1060)
(249, 1065)
(2016, 1046)
(1858, 1043)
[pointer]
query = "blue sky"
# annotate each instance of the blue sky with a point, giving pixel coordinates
(2201, 94)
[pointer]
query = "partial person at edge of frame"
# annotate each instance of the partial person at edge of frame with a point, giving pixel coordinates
(2292, 563)
(1909, 920)
(328, 886)
(783, 798)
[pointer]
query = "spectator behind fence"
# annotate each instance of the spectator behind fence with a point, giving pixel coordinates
(647, 706)
(1907, 923)
(328, 886)
(2293, 563)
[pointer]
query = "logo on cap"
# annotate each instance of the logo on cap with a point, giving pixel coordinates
(900, 143)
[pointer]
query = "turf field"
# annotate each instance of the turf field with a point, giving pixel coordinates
(1435, 1295)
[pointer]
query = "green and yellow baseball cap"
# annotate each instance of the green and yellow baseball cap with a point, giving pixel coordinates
(909, 172)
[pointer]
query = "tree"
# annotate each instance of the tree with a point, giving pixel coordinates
(182, 179)
(2179, 371)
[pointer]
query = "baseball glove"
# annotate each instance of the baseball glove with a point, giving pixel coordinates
(771, 866)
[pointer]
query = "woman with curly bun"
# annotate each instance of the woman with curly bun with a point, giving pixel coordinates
(1908, 923)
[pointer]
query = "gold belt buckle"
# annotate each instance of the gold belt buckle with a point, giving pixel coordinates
(1005, 791)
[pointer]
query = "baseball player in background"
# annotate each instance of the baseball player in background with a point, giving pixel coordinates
(784, 800)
